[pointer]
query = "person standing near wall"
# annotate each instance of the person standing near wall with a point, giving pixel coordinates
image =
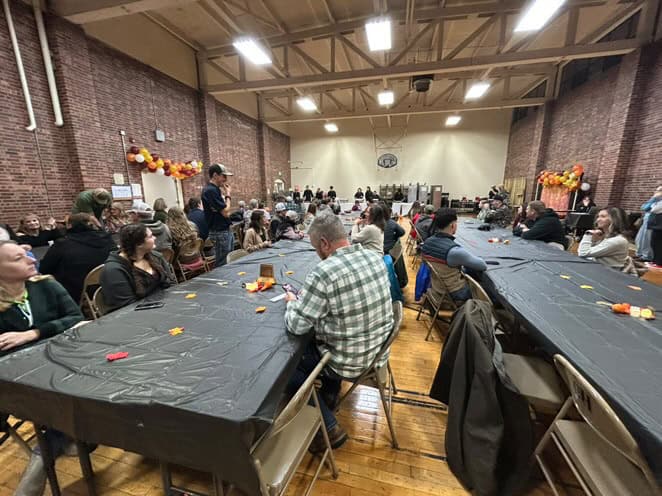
(216, 201)
(92, 201)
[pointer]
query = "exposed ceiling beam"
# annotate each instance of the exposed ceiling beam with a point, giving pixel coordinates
(411, 44)
(274, 15)
(358, 51)
(248, 10)
(308, 59)
(469, 39)
(84, 11)
(166, 25)
(444, 66)
(222, 11)
(420, 15)
(454, 107)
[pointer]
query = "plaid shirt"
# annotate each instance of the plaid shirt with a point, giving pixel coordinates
(346, 300)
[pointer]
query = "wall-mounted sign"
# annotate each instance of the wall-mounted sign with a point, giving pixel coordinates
(387, 160)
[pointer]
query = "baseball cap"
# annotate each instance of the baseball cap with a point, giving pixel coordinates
(223, 170)
(280, 207)
(291, 214)
(141, 208)
(498, 198)
(429, 209)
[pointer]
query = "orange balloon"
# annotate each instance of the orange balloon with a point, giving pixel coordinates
(151, 166)
(131, 157)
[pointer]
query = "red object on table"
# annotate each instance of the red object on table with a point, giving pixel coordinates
(111, 357)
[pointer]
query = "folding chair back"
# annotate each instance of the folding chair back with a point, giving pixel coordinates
(282, 448)
(600, 416)
(236, 255)
(434, 303)
(99, 303)
(396, 251)
(168, 254)
(477, 291)
(92, 279)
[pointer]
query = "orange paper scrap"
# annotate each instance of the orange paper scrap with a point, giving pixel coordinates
(176, 330)
(260, 309)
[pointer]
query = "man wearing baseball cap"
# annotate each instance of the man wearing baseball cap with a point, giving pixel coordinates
(216, 198)
(281, 210)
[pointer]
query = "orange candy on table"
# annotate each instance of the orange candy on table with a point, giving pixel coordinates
(623, 308)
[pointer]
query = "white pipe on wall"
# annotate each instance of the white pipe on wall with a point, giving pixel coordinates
(19, 64)
(48, 65)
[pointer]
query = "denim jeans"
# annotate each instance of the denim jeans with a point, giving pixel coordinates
(331, 382)
(223, 244)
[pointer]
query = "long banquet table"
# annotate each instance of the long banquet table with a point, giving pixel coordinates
(620, 355)
(200, 398)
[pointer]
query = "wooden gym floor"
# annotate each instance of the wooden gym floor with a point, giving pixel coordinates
(367, 463)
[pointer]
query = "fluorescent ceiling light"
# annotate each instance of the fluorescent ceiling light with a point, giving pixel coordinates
(477, 90)
(307, 104)
(386, 97)
(331, 127)
(253, 52)
(453, 120)
(538, 14)
(379, 34)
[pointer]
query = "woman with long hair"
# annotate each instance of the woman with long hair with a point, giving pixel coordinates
(257, 234)
(369, 229)
(115, 219)
(31, 233)
(160, 208)
(136, 271)
(310, 216)
(182, 230)
(607, 243)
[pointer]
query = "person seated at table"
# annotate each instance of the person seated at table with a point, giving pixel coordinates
(248, 213)
(521, 219)
(160, 210)
(31, 233)
(257, 236)
(10, 232)
(32, 308)
(607, 243)
(449, 258)
(145, 215)
(499, 213)
(115, 219)
(71, 258)
(309, 217)
(358, 195)
(357, 206)
(92, 201)
(398, 195)
(197, 216)
(424, 222)
(136, 271)
(277, 220)
(546, 225)
(368, 230)
(183, 232)
(346, 302)
(585, 205)
(287, 229)
(392, 230)
(369, 194)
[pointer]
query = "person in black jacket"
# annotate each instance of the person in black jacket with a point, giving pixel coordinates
(307, 194)
(546, 226)
(331, 194)
(369, 194)
(31, 233)
(71, 258)
(136, 271)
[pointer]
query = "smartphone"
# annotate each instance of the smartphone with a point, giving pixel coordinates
(148, 305)
(288, 287)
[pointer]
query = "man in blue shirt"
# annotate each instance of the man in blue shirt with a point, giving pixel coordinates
(447, 258)
(197, 216)
(216, 202)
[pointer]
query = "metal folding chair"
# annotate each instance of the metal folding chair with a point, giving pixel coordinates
(602, 454)
(92, 279)
(99, 303)
(435, 303)
(188, 251)
(11, 431)
(381, 377)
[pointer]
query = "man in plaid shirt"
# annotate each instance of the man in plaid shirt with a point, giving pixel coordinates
(346, 302)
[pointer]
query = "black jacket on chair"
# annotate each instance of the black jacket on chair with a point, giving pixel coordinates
(489, 437)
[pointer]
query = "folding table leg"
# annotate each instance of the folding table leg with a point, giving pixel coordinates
(166, 478)
(86, 467)
(218, 486)
(49, 461)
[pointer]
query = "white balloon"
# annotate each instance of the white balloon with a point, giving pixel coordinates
(160, 171)
(585, 187)
(139, 158)
(194, 164)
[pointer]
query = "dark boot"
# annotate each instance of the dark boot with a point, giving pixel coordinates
(33, 482)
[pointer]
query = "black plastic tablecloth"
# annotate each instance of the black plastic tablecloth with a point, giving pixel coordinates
(620, 355)
(200, 398)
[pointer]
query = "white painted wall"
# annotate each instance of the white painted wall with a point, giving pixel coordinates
(466, 160)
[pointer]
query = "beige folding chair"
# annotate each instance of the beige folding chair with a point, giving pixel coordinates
(93, 278)
(236, 255)
(280, 451)
(188, 251)
(435, 303)
(99, 303)
(396, 251)
(600, 451)
(11, 431)
(168, 254)
(417, 257)
(208, 253)
(381, 377)
(411, 242)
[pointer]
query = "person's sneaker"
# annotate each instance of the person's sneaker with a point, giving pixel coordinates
(337, 437)
(33, 481)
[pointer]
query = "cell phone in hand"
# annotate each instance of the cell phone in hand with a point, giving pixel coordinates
(291, 289)
(148, 305)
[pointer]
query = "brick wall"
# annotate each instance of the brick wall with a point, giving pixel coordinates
(611, 125)
(103, 91)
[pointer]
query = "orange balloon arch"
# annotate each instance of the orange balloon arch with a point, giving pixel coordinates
(165, 167)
